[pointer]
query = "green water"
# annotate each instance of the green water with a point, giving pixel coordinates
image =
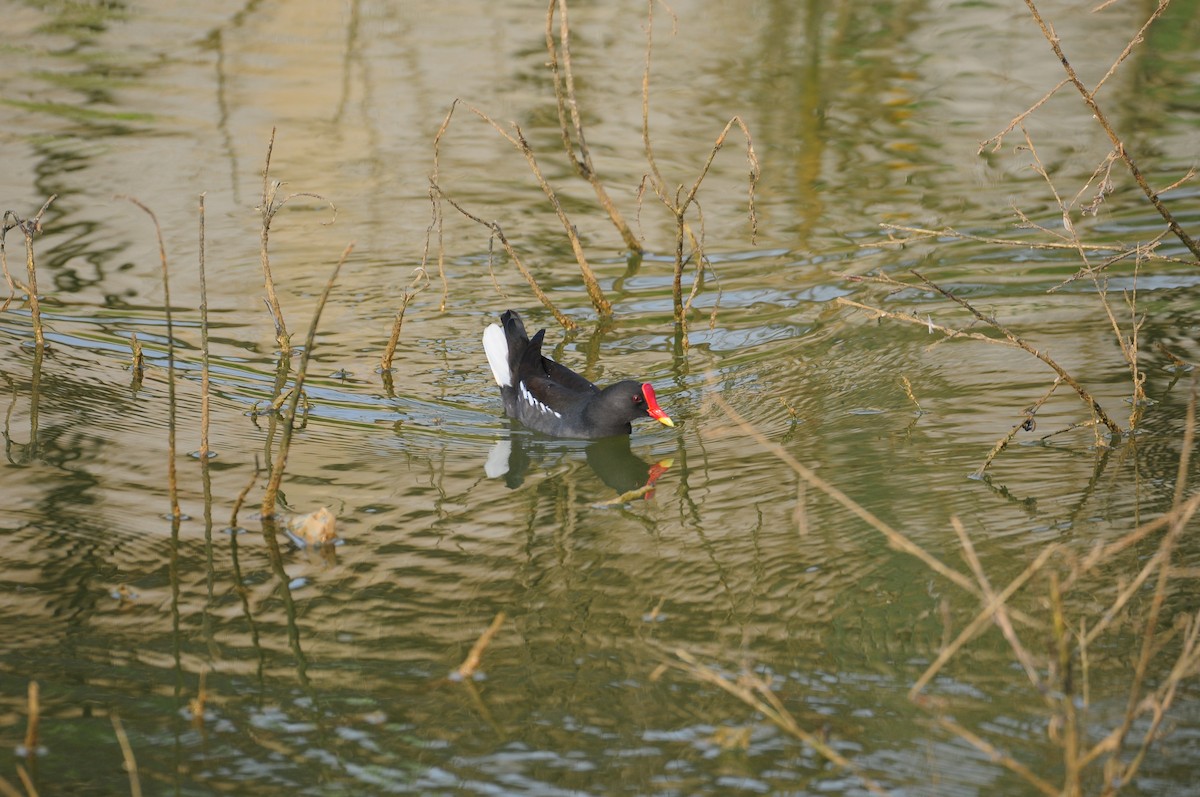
(329, 671)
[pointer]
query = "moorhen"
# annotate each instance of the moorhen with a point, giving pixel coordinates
(552, 399)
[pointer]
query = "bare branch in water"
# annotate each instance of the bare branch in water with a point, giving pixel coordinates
(570, 122)
(285, 442)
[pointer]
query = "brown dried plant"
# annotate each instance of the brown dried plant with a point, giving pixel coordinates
(689, 246)
(28, 228)
(1075, 604)
(1095, 259)
(289, 425)
(680, 201)
(269, 205)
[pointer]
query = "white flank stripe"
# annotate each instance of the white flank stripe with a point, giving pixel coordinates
(495, 346)
(537, 405)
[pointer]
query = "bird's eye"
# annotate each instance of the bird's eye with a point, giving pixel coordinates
(636, 399)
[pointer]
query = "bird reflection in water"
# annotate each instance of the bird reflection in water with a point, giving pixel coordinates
(609, 458)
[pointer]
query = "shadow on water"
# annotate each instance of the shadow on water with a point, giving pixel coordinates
(611, 459)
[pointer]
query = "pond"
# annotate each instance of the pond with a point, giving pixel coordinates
(793, 590)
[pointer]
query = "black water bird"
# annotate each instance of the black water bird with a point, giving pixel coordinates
(552, 399)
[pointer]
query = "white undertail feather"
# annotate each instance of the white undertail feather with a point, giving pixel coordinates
(495, 346)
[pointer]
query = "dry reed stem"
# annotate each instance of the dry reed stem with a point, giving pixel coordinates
(204, 373)
(436, 220)
(996, 756)
(985, 616)
(269, 190)
(419, 282)
(912, 318)
(998, 139)
(138, 357)
(1010, 340)
(1029, 414)
(1175, 359)
(1140, 253)
(172, 482)
(26, 781)
(33, 721)
(649, 149)
(1191, 172)
(1018, 119)
(241, 497)
(28, 228)
(924, 233)
(1156, 562)
(908, 391)
(471, 663)
(499, 235)
(896, 539)
(1001, 613)
(517, 139)
(754, 174)
(1100, 117)
(129, 762)
(7, 789)
(1067, 728)
(678, 206)
(703, 264)
(285, 441)
(8, 280)
(756, 693)
(268, 208)
(569, 120)
(1128, 346)
(1160, 702)
(1020, 343)
(1163, 555)
(1185, 455)
(1156, 703)
(1103, 553)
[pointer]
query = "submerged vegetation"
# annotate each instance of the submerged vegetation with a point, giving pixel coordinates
(1053, 617)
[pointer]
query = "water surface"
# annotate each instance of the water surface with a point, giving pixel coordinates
(327, 672)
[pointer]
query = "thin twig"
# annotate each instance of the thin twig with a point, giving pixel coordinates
(269, 497)
(9, 790)
(757, 694)
(1001, 612)
(172, 484)
(921, 233)
(204, 366)
(270, 206)
(896, 539)
(985, 616)
(1041, 355)
(471, 663)
(27, 782)
(569, 120)
(1098, 113)
(995, 755)
(130, 763)
(561, 317)
(1128, 346)
(1029, 414)
(28, 228)
(33, 720)
(998, 139)
(266, 209)
(419, 281)
(517, 139)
